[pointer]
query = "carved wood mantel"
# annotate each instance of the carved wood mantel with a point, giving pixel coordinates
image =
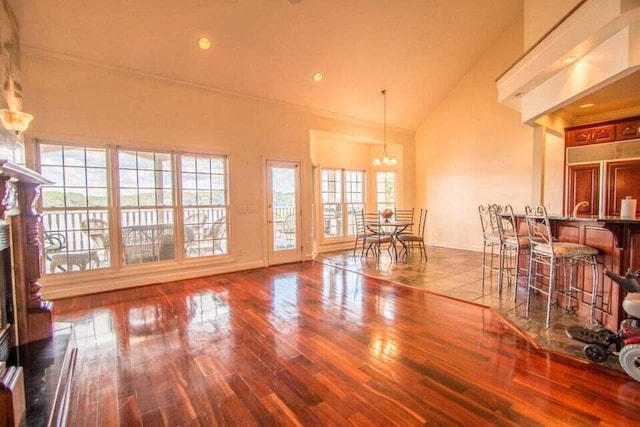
(19, 192)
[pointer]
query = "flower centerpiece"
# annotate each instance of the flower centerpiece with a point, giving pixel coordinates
(386, 214)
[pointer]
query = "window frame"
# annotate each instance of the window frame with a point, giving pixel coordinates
(347, 222)
(384, 203)
(114, 211)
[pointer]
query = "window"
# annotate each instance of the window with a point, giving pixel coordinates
(354, 197)
(146, 206)
(204, 205)
(77, 212)
(386, 190)
(75, 209)
(342, 192)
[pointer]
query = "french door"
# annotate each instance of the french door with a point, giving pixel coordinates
(283, 212)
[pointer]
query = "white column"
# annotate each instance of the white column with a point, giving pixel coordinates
(537, 169)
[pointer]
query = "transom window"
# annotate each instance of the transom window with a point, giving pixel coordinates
(342, 192)
(386, 190)
(154, 216)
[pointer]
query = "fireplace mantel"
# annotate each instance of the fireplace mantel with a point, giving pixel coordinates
(19, 192)
(28, 319)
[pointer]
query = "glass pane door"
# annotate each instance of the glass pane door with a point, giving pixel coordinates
(284, 211)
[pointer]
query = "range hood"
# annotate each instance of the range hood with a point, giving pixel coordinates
(603, 36)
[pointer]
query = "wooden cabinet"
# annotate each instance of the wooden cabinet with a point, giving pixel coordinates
(618, 179)
(623, 179)
(590, 135)
(628, 130)
(618, 130)
(583, 185)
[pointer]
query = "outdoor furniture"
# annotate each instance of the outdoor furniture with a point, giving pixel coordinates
(287, 229)
(98, 231)
(217, 233)
(148, 242)
(66, 261)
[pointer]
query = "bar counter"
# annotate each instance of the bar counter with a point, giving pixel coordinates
(618, 242)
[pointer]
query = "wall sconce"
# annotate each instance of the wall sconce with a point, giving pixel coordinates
(15, 121)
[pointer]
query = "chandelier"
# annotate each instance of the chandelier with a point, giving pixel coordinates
(385, 159)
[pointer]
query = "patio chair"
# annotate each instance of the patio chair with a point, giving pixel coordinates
(98, 231)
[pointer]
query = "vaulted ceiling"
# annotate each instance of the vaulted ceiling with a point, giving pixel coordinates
(416, 49)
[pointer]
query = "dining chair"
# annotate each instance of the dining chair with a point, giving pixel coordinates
(378, 237)
(410, 240)
(404, 215)
(362, 232)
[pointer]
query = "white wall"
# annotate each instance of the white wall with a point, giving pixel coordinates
(541, 15)
(554, 174)
(473, 151)
(343, 152)
(78, 102)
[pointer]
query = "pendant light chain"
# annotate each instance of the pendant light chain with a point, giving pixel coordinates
(384, 96)
(384, 159)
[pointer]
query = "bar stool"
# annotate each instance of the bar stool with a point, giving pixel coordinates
(545, 252)
(490, 238)
(512, 245)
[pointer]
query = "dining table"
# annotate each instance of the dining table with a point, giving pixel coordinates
(389, 227)
(147, 242)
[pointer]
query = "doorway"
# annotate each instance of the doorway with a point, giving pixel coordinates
(283, 212)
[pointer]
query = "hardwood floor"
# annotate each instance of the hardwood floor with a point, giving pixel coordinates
(310, 344)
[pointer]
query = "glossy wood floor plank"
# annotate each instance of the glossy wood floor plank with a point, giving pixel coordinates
(307, 344)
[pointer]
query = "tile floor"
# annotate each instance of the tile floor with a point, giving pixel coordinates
(458, 274)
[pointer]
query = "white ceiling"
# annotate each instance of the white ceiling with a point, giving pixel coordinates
(416, 49)
(616, 100)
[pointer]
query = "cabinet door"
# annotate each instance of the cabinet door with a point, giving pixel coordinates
(623, 179)
(628, 130)
(584, 185)
(591, 135)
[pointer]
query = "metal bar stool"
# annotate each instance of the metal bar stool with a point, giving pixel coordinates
(490, 239)
(512, 245)
(545, 253)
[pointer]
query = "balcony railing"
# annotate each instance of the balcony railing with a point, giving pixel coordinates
(80, 240)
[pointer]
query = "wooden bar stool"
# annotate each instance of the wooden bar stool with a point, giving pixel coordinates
(547, 255)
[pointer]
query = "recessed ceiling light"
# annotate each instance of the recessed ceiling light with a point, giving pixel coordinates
(569, 60)
(204, 43)
(587, 105)
(317, 77)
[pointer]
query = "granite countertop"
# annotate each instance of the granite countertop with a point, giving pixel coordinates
(589, 218)
(599, 218)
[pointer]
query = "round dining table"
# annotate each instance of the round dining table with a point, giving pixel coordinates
(390, 227)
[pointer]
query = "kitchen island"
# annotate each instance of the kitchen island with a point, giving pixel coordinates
(618, 242)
